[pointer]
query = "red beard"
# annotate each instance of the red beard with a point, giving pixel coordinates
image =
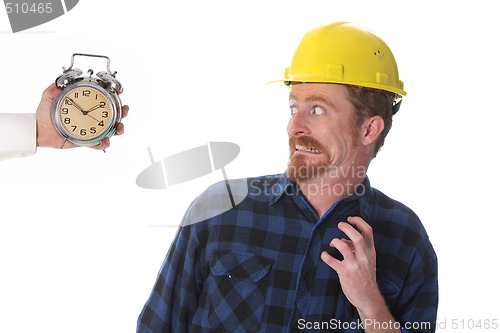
(309, 165)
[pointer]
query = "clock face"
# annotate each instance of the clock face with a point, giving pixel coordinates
(84, 112)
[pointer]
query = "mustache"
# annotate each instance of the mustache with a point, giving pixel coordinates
(305, 141)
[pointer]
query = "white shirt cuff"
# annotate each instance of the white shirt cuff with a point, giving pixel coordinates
(17, 134)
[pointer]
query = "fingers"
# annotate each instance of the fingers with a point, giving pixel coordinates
(331, 261)
(352, 233)
(103, 145)
(358, 247)
(364, 227)
(344, 248)
(125, 109)
(120, 129)
(366, 236)
(349, 243)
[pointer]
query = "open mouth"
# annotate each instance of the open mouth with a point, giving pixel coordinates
(307, 149)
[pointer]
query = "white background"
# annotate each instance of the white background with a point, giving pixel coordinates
(81, 244)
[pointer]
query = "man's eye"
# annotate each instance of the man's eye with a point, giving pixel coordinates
(293, 110)
(318, 110)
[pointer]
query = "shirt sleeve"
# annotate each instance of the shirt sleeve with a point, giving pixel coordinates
(174, 299)
(419, 299)
(17, 135)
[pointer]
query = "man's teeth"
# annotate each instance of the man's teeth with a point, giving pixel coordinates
(308, 149)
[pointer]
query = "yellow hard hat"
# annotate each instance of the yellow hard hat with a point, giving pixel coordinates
(345, 53)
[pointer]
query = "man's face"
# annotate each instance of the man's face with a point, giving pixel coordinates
(321, 131)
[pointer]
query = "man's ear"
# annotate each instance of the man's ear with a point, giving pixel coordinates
(372, 126)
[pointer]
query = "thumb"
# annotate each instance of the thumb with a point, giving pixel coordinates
(51, 92)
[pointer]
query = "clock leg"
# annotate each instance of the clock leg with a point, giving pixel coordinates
(65, 139)
(100, 142)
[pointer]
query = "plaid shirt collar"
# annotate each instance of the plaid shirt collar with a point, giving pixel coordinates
(287, 186)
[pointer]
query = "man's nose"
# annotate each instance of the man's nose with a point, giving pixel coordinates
(298, 124)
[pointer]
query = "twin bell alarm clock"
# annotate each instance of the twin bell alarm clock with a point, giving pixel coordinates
(88, 109)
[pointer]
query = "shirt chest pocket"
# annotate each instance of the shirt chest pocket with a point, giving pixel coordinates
(237, 288)
(390, 291)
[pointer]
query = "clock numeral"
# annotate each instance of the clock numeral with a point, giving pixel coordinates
(74, 128)
(105, 114)
(103, 104)
(67, 120)
(83, 131)
(76, 94)
(64, 111)
(86, 93)
(67, 102)
(101, 123)
(92, 130)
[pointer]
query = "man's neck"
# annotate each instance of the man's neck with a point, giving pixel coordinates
(323, 192)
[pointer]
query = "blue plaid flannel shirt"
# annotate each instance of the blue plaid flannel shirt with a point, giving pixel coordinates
(257, 267)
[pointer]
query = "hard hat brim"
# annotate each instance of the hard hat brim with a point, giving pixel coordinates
(384, 88)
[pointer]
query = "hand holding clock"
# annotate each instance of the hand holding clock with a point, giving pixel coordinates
(47, 135)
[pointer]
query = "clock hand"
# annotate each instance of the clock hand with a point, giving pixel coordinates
(94, 108)
(93, 118)
(77, 106)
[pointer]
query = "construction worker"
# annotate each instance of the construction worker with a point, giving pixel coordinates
(316, 248)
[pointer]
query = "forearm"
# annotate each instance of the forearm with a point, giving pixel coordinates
(378, 318)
